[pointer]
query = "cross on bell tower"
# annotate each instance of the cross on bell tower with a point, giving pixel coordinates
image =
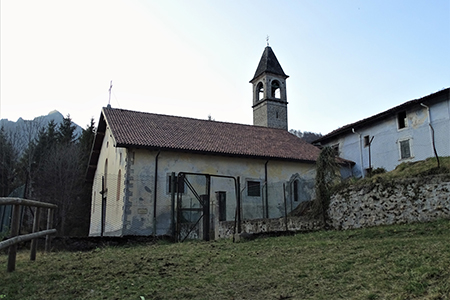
(269, 92)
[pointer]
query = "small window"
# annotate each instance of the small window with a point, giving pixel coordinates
(366, 141)
(253, 188)
(260, 91)
(179, 186)
(405, 150)
(295, 190)
(275, 89)
(105, 177)
(401, 120)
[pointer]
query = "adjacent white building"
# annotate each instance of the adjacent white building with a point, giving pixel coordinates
(409, 132)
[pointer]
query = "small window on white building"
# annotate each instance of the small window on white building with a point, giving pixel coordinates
(366, 141)
(405, 150)
(401, 120)
(253, 188)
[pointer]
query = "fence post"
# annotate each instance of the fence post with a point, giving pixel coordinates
(14, 232)
(37, 215)
(49, 226)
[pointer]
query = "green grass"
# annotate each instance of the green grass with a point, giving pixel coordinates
(389, 262)
(403, 171)
(420, 168)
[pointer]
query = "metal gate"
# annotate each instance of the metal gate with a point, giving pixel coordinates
(193, 197)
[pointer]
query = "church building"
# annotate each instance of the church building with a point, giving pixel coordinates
(159, 175)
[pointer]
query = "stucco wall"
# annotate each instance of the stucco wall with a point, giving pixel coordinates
(112, 162)
(385, 147)
(133, 212)
(385, 203)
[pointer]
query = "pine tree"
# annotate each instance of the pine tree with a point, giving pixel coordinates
(8, 165)
(66, 131)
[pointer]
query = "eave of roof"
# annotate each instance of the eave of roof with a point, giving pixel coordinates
(439, 96)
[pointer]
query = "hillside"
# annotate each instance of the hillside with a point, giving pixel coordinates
(389, 262)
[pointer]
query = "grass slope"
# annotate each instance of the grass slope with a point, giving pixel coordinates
(391, 262)
(415, 169)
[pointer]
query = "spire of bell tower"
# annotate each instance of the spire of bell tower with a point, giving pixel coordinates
(269, 92)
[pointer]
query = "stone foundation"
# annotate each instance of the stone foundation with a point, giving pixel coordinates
(258, 226)
(384, 203)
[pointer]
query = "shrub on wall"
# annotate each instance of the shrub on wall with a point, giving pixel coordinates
(326, 177)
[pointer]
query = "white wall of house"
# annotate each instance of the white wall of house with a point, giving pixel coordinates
(112, 166)
(133, 213)
(390, 142)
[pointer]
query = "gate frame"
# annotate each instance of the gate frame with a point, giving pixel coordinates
(205, 208)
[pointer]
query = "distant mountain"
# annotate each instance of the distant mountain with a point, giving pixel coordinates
(23, 131)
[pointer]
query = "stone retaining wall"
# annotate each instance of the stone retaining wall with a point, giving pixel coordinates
(383, 203)
(258, 226)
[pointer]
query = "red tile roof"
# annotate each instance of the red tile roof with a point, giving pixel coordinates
(152, 131)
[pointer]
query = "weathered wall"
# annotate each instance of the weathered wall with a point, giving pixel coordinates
(383, 203)
(131, 187)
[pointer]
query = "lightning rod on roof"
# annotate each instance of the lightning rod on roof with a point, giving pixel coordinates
(110, 88)
(267, 40)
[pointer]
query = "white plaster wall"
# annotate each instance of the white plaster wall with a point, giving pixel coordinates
(114, 185)
(385, 147)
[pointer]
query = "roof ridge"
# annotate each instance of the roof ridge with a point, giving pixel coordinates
(191, 118)
(380, 114)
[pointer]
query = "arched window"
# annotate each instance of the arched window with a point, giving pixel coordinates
(275, 93)
(105, 175)
(295, 192)
(260, 91)
(119, 179)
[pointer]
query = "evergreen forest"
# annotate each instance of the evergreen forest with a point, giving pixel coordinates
(49, 165)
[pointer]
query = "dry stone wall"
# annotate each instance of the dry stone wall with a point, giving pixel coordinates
(383, 203)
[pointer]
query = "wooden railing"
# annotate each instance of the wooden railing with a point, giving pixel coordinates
(15, 238)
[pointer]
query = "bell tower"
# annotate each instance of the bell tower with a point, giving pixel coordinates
(269, 92)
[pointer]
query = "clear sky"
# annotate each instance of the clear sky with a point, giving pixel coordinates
(346, 60)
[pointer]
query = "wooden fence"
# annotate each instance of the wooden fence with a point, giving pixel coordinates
(15, 238)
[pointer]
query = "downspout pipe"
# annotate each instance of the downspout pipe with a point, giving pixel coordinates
(433, 144)
(360, 152)
(429, 124)
(267, 190)
(155, 192)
